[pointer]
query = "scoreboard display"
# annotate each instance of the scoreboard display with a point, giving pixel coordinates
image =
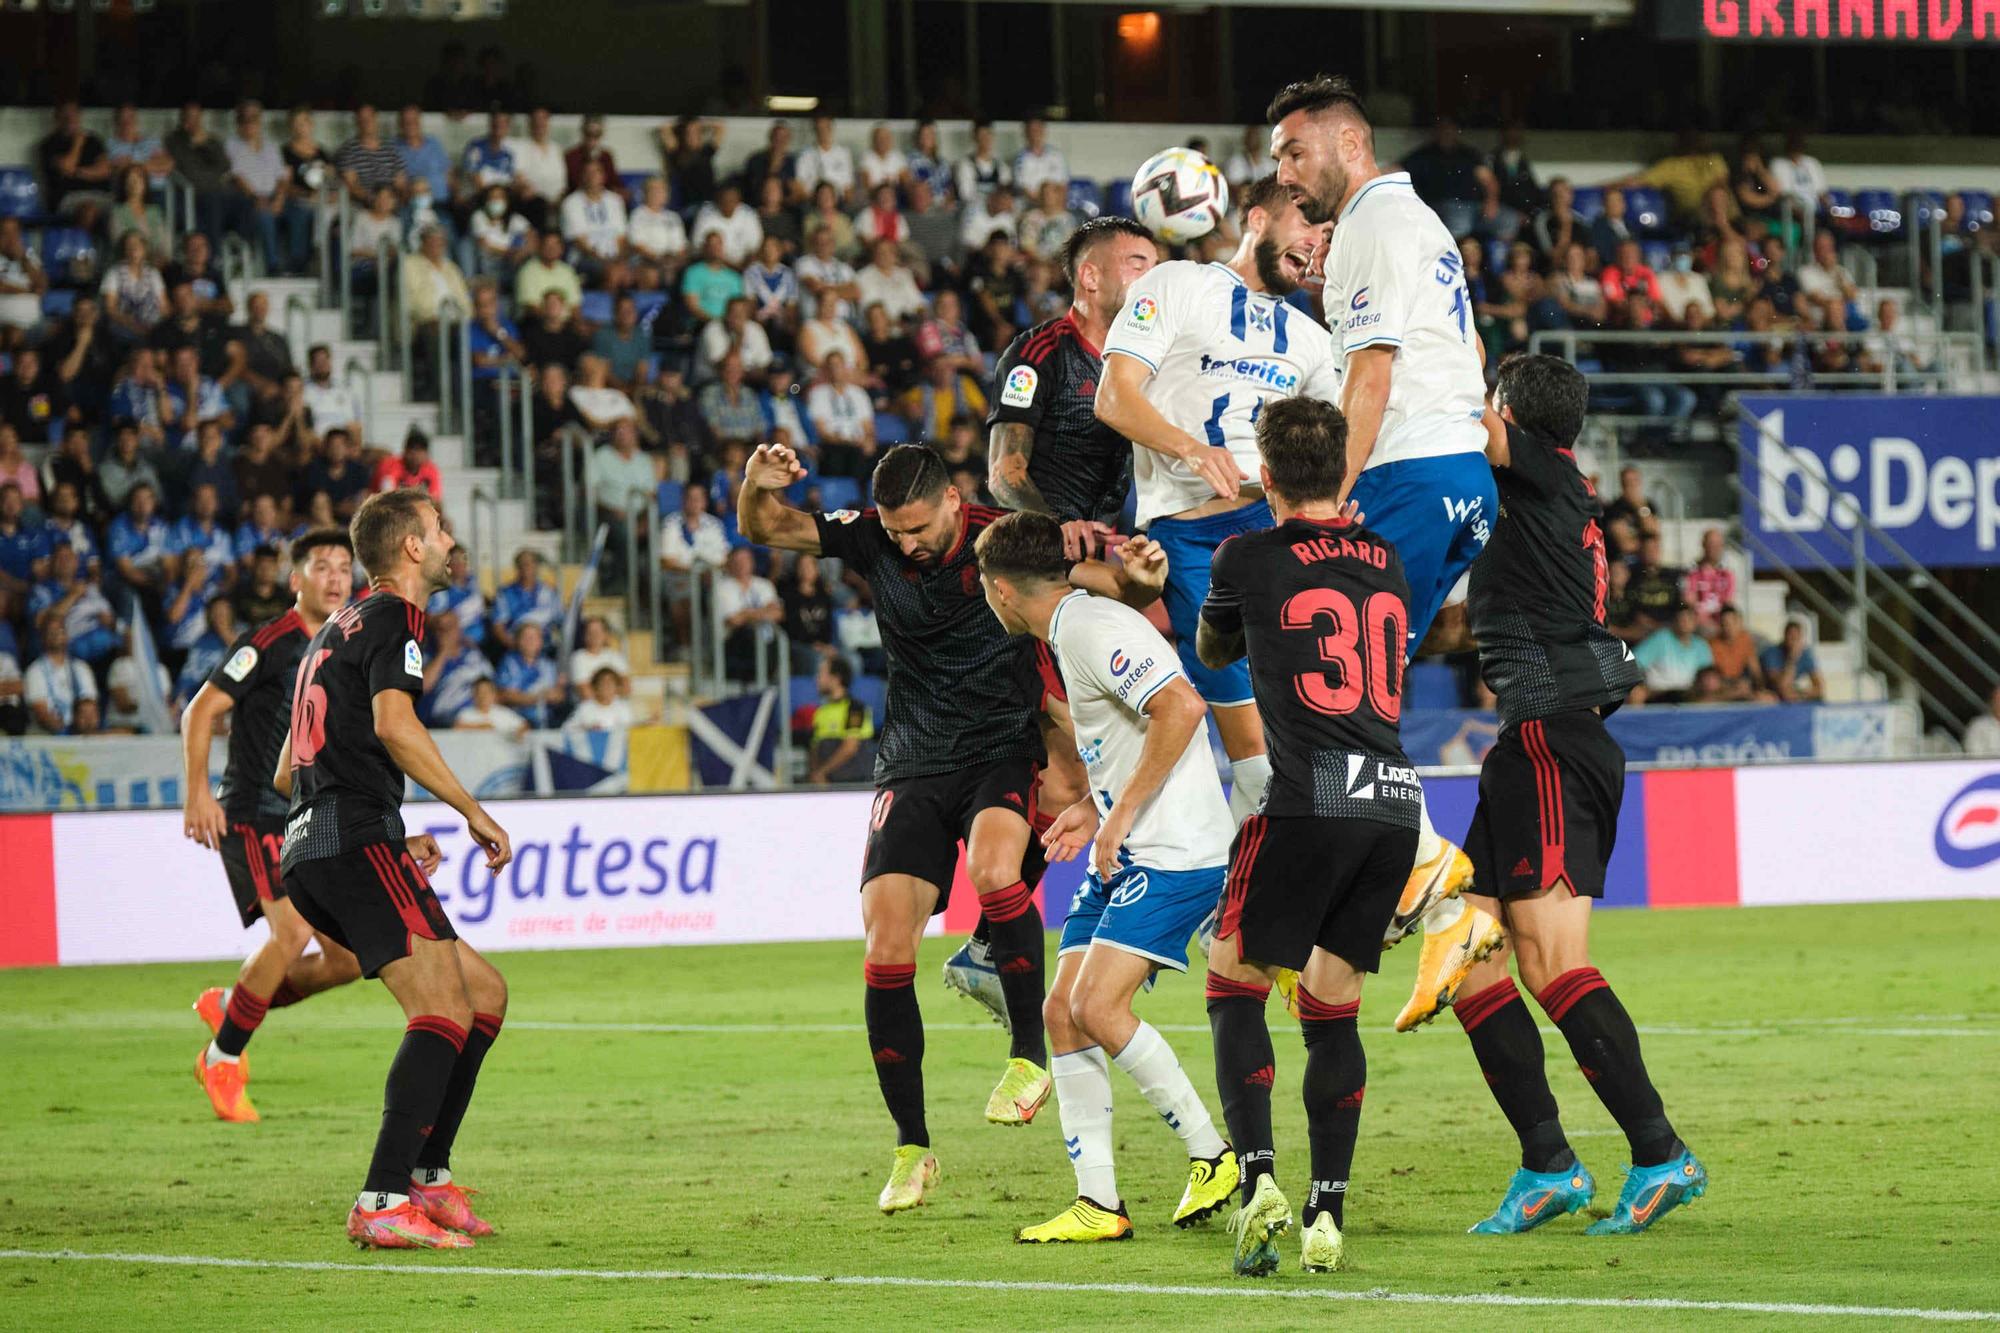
(1848, 22)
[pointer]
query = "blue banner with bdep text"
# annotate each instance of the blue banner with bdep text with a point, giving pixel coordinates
(1691, 735)
(1925, 471)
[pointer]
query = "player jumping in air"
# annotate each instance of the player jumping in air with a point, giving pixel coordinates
(1157, 828)
(1412, 392)
(1197, 353)
(957, 759)
(1047, 452)
(246, 823)
(356, 877)
(1318, 602)
(1549, 792)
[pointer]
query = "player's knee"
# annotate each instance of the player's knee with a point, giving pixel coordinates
(890, 940)
(1542, 961)
(990, 871)
(1063, 1032)
(486, 988)
(1093, 1009)
(290, 931)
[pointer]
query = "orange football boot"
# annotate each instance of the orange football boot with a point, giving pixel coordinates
(404, 1227)
(449, 1205)
(223, 1082)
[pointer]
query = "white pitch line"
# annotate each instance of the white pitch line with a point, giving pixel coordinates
(1375, 1295)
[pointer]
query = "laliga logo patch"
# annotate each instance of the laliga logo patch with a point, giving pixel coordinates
(844, 515)
(1120, 663)
(241, 665)
(1019, 391)
(1130, 889)
(1144, 310)
(413, 659)
(1968, 832)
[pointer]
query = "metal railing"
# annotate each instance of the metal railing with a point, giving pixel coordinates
(486, 535)
(241, 261)
(1985, 288)
(453, 381)
(1564, 342)
(573, 446)
(359, 365)
(298, 332)
(514, 407)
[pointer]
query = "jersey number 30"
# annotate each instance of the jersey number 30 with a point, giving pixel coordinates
(1366, 650)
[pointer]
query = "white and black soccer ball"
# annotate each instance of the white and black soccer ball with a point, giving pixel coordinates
(1179, 195)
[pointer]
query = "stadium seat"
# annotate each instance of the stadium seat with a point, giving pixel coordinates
(1881, 210)
(1920, 206)
(1659, 255)
(1496, 258)
(633, 185)
(671, 495)
(1840, 205)
(805, 695)
(1118, 198)
(1978, 208)
(596, 308)
(648, 305)
(891, 429)
(1430, 685)
(20, 193)
(1084, 198)
(63, 247)
(57, 302)
(1588, 202)
(1647, 209)
(840, 492)
(872, 691)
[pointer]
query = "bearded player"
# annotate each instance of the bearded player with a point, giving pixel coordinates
(1413, 393)
(245, 821)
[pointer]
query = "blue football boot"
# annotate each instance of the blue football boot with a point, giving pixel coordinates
(1650, 1193)
(1534, 1197)
(970, 973)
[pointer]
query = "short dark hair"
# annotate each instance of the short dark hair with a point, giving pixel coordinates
(1303, 443)
(306, 543)
(1090, 233)
(909, 472)
(1264, 193)
(1023, 545)
(1322, 92)
(383, 522)
(1547, 395)
(841, 670)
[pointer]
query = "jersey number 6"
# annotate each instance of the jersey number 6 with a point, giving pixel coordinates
(1365, 649)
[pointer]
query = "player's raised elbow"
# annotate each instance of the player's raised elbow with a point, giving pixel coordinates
(1216, 649)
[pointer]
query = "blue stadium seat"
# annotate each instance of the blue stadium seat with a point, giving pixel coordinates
(1659, 255)
(1884, 214)
(1920, 206)
(840, 492)
(1084, 198)
(1588, 202)
(1430, 685)
(1840, 205)
(20, 193)
(805, 691)
(1646, 208)
(596, 307)
(1496, 259)
(872, 691)
(1118, 198)
(671, 495)
(1978, 208)
(57, 302)
(64, 246)
(633, 185)
(891, 429)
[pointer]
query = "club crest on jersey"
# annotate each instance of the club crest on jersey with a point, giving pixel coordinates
(242, 664)
(1260, 317)
(1144, 311)
(1019, 391)
(413, 659)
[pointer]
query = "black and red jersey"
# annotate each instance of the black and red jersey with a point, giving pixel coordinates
(1047, 380)
(346, 790)
(1324, 611)
(1537, 597)
(258, 675)
(961, 689)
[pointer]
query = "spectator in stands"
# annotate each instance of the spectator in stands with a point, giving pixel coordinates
(528, 677)
(943, 397)
(261, 356)
(774, 161)
(488, 162)
(623, 483)
(554, 337)
(1671, 656)
(424, 156)
(68, 518)
(1826, 284)
(413, 468)
(993, 282)
(430, 279)
(982, 171)
(1611, 229)
(1791, 669)
(55, 683)
(627, 348)
(126, 710)
(211, 467)
(135, 295)
(1454, 179)
(775, 217)
(1752, 189)
(828, 283)
(589, 150)
(657, 241)
(528, 599)
(336, 475)
(1709, 585)
(463, 597)
(138, 540)
(1702, 358)
(262, 529)
(672, 417)
(262, 595)
(194, 400)
(71, 594)
(83, 360)
(1732, 286)
(547, 271)
(1252, 158)
(30, 408)
(605, 708)
(597, 651)
(881, 220)
(826, 215)
(883, 163)
(738, 226)
(373, 237)
(134, 210)
(888, 353)
(691, 543)
(773, 288)
(1684, 290)
(1631, 503)
(932, 219)
(710, 283)
(75, 170)
(451, 665)
(312, 171)
(257, 172)
(599, 404)
(1656, 587)
(1520, 193)
(1557, 226)
(1523, 300)
(13, 706)
(1049, 223)
(188, 325)
(124, 467)
(688, 147)
(1038, 163)
(843, 416)
(184, 601)
(594, 223)
(808, 611)
(485, 712)
(22, 285)
(261, 474)
(945, 335)
(747, 614)
(826, 162)
(731, 409)
(781, 408)
(987, 214)
(131, 146)
(367, 163)
(1779, 286)
(843, 733)
(501, 238)
(927, 164)
(1798, 174)
(1628, 275)
(1734, 649)
(1685, 175)
(205, 528)
(735, 333)
(1982, 733)
(1766, 350)
(886, 282)
(1890, 346)
(541, 177)
(1576, 290)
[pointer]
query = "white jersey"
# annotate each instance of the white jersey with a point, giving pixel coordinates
(1218, 352)
(1112, 662)
(1394, 278)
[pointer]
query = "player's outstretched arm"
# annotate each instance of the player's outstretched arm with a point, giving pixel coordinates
(1217, 648)
(760, 515)
(409, 743)
(1137, 580)
(1009, 446)
(202, 821)
(281, 778)
(1121, 404)
(1362, 401)
(1173, 713)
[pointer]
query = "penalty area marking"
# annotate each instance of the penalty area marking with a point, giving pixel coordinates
(1239, 1292)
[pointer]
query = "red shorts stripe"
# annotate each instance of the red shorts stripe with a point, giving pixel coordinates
(1238, 884)
(390, 872)
(1222, 988)
(1548, 789)
(253, 855)
(438, 1025)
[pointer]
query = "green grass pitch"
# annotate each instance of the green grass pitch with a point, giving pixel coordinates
(1838, 1069)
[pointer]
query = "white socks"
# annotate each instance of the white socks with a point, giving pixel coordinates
(431, 1175)
(373, 1201)
(1083, 1100)
(1247, 780)
(216, 1056)
(1429, 844)
(1153, 1066)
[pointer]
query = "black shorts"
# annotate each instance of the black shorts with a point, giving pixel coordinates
(917, 823)
(250, 859)
(1296, 881)
(1549, 792)
(373, 900)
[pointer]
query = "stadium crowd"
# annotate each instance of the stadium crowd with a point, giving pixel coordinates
(837, 296)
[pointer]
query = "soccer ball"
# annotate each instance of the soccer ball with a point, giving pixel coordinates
(1179, 195)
